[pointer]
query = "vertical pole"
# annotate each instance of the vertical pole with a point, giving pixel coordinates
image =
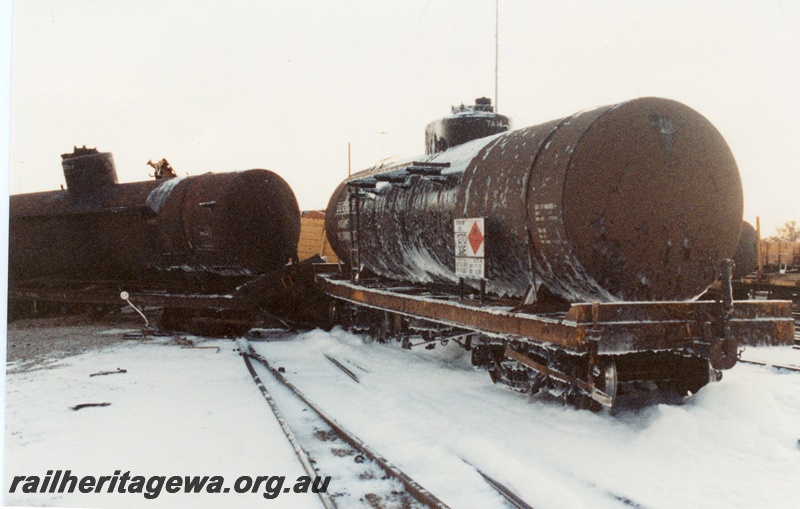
(759, 249)
(496, 45)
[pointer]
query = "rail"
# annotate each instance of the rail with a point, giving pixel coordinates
(419, 493)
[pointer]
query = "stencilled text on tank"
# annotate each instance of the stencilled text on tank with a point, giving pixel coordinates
(546, 212)
(204, 240)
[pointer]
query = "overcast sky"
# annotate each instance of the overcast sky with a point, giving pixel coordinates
(216, 86)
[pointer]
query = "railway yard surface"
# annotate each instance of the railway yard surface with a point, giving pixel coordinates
(175, 410)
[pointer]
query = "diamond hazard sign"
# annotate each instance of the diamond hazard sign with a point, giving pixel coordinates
(469, 243)
(475, 239)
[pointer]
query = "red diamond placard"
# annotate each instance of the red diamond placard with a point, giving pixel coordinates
(469, 243)
(475, 237)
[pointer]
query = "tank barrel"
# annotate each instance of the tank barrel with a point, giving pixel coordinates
(640, 200)
(212, 226)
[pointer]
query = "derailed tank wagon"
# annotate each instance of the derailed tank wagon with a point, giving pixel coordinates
(599, 231)
(209, 249)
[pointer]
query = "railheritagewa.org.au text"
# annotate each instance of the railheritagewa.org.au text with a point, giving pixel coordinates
(65, 481)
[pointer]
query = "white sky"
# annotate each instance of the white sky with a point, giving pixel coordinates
(240, 84)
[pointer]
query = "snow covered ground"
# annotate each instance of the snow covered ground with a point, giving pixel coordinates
(197, 412)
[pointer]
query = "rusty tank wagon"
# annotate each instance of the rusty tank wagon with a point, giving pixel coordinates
(209, 248)
(597, 231)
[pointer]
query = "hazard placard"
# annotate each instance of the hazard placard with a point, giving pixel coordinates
(469, 242)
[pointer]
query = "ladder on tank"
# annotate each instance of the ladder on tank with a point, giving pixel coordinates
(397, 177)
(354, 197)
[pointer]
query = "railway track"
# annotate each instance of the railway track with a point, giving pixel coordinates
(410, 495)
(788, 367)
(512, 498)
(406, 492)
(321, 442)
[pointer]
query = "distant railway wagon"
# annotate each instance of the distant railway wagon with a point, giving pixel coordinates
(313, 240)
(780, 256)
(767, 267)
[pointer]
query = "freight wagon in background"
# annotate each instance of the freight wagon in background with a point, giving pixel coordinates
(778, 273)
(313, 239)
(767, 268)
(780, 256)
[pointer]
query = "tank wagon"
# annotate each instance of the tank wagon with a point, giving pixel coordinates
(593, 234)
(210, 249)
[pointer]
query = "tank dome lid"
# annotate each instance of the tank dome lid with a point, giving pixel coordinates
(87, 169)
(466, 123)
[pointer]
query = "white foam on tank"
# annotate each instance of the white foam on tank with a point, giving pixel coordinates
(472, 113)
(460, 156)
(428, 269)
